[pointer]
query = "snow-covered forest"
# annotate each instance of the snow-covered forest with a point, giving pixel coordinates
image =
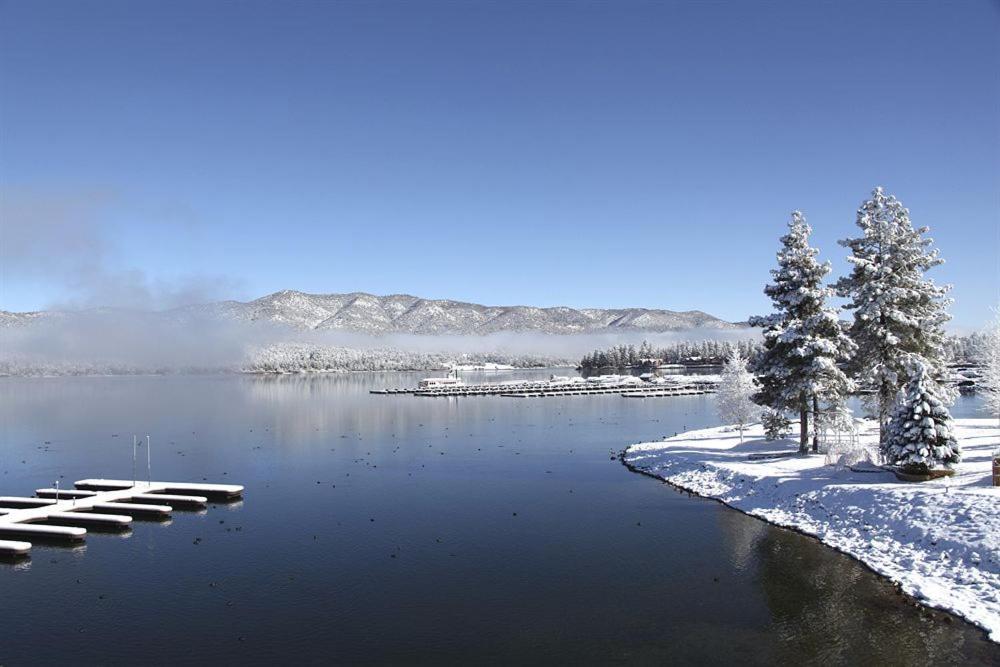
(299, 357)
(712, 352)
(966, 350)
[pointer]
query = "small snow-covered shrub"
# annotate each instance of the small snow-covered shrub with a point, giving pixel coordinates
(736, 389)
(846, 455)
(834, 425)
(838, 438)
(776, 425)
(849, 451)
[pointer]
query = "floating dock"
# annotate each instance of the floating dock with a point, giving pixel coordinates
(628, 392)
(105, 503)
(540, 389)
(212, 491)
(662, 392)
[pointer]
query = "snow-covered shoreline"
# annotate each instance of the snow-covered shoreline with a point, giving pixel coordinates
(939, 540)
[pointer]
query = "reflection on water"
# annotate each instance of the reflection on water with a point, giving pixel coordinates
(825, 608)
(402, 529)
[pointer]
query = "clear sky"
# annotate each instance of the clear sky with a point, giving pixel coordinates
(582, 154)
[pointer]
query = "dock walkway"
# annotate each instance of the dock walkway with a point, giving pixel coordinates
(538, 389)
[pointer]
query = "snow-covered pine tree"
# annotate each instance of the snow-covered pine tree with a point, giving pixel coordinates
(736, 390)
(804, 340)
(899, 314)
(919, 436)
(989, 353)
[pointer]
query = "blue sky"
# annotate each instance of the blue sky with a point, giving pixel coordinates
(582, 154)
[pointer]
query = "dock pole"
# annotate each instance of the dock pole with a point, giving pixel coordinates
(149, 464)
(135, 443)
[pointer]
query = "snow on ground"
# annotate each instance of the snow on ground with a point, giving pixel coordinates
(939, 540)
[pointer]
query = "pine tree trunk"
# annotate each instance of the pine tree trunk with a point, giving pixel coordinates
(882, 425)
(815, 424)
(803, 427)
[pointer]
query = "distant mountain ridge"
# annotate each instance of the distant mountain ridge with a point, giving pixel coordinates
(361, 312)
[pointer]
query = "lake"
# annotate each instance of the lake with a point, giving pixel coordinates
(398, 529)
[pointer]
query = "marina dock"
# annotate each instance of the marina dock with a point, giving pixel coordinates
(540, 389)
(103, 503)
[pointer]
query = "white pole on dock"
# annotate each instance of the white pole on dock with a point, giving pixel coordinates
(149, 464)
(135, 443)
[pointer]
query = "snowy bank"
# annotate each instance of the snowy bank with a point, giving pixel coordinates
(939, 540)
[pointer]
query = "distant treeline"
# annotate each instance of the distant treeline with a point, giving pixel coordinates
(959, 350)
(683, 352)
(304, 358)
(966, 350)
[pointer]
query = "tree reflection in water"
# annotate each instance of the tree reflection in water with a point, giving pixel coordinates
(826, 607)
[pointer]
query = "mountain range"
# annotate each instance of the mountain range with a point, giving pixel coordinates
(401, 313)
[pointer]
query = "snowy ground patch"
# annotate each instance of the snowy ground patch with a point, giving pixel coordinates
(939, 540)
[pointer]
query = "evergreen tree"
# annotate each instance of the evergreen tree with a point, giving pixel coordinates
(898, 314)
(736, 389)
(776, 424)
(804, 341)
(919, 436)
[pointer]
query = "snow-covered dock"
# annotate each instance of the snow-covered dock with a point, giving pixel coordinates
(173, 500)
(625, 385)
(30, 530)
(939, 540)
(627, 392)
(14, 548)
(660, 393)
(129, 508)
(219, 491)
(33, 517)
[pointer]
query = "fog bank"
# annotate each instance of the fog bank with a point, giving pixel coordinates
(142, 341)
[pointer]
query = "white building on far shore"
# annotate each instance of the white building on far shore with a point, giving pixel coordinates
(430, 383)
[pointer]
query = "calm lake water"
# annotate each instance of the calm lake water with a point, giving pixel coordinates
(395, 529)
